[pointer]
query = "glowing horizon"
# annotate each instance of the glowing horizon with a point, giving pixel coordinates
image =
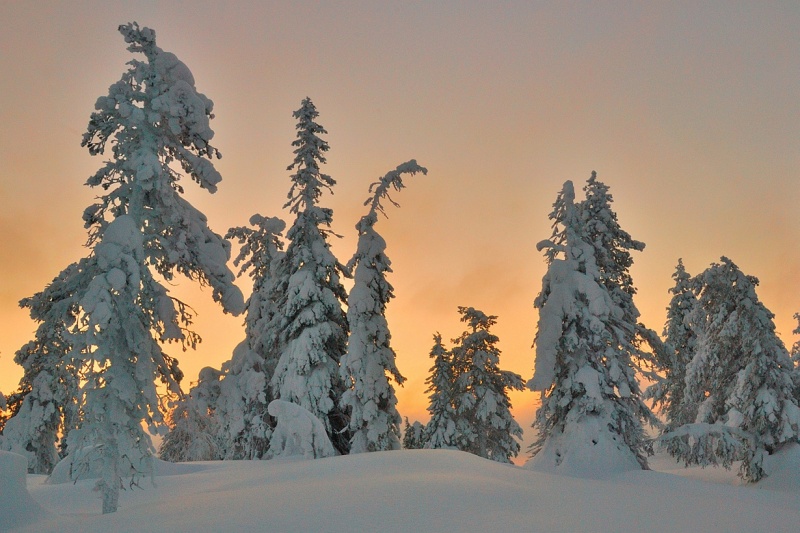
(688, 113)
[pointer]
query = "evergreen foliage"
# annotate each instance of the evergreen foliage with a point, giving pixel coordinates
(740, 380)
(120, 365)
(481, 406)
(44, 406)
(194, 426)
(440, 431)
(370, 360)
(413, 435)
(313, 325)
(680, 339)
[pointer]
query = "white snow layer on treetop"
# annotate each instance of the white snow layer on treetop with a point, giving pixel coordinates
(566, 284)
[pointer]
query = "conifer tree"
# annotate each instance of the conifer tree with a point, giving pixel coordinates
(313, 324)
(591, 404)
(119, 366)
(680, 339)
(739, 381)
(194, 422)
(370, 398)
(243, 418)
(481, 406)
(43, 408)
(139, 227)
(440, 431)
(413, 435)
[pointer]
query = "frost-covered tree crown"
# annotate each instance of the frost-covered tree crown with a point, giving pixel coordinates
(481, 405)
(440, 432)
(158, 125)
(680, 335)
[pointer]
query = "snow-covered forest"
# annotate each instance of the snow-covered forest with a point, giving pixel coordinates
(105, 405)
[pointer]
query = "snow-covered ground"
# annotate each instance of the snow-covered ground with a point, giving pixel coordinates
(413, 490)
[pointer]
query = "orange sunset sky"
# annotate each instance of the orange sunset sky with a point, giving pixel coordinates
(689, 111)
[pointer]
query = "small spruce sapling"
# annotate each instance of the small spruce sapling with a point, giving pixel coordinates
(440, 431)
(481, 406)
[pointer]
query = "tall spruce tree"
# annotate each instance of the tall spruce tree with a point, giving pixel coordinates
(313, 324)
(140, 227)
(244, 421)
(481, 406)
(740, 380)
(370, 360)
(680, 340)
(591, 404)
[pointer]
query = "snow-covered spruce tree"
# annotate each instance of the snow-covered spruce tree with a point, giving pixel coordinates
(739, 381)
(44, 406)
(313, 324)
(370, 360)
(193, 434)
(591, 412)
(680, 339)
(242, 414)
(155, 120)
(413, 435)
(481, 406)
(440, 431)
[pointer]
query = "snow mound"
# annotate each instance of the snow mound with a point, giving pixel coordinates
(416, 490)
(62, 471)
(586, 449)
(17, 507)
(782, 469)
(298, 433)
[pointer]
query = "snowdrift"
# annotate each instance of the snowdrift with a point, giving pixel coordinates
(413, 490)
(17, 508)
(62, 471)
(586, 450)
